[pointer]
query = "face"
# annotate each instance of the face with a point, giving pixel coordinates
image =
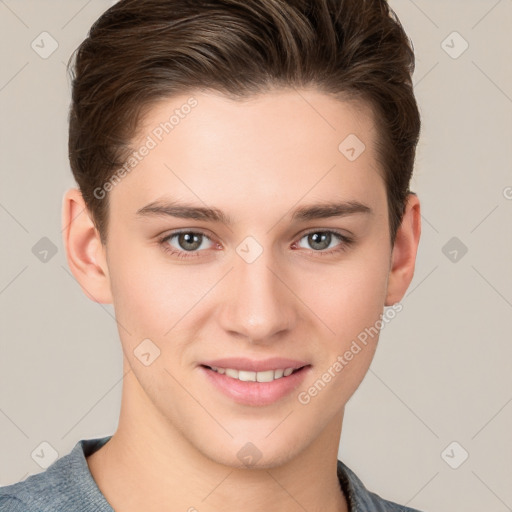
(223, 252)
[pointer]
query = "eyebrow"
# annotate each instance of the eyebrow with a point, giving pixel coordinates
(321, 210)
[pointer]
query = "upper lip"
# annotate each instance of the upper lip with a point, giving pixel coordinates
(251, 365)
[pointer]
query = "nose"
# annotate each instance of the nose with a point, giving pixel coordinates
(257, 302)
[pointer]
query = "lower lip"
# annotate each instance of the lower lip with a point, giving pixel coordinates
(255, 393)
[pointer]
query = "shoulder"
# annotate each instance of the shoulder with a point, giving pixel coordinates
(360, 498)
(65, 485)
(22, 496)
(11, 504)
(38, 492)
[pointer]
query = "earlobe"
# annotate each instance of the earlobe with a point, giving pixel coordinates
(403, 258)
(85, 253)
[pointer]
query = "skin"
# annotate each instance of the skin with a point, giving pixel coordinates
(257, 160)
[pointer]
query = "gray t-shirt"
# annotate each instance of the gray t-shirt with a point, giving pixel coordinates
(68, 486)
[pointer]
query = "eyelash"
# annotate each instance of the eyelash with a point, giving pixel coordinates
(346, 242)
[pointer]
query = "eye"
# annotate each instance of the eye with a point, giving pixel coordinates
(185, 244)
(322, 240)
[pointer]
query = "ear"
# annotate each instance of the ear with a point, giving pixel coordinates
(85, 253)
(403, 257)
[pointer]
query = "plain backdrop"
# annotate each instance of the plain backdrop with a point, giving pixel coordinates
(430, 425)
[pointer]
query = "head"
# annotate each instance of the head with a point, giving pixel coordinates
(228, 121)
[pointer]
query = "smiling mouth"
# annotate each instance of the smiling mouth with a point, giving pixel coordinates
(250, 376)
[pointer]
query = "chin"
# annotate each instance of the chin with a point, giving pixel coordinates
(257, 454)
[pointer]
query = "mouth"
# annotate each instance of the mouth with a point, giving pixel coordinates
(256, 388)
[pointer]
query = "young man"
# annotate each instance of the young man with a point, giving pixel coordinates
(243, 170)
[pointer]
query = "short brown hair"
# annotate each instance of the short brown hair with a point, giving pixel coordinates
(142, 51)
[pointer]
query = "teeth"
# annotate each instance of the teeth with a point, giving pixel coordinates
(231, 373)
(267, 376)
(247, 376)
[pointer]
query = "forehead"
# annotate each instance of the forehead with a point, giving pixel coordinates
(282, 145)
(303, 113)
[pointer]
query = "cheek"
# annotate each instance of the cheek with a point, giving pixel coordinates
(361, 300)
(348, 297)
(151, 295)
(349, 300)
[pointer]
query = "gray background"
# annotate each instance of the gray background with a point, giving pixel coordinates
(442, 372)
